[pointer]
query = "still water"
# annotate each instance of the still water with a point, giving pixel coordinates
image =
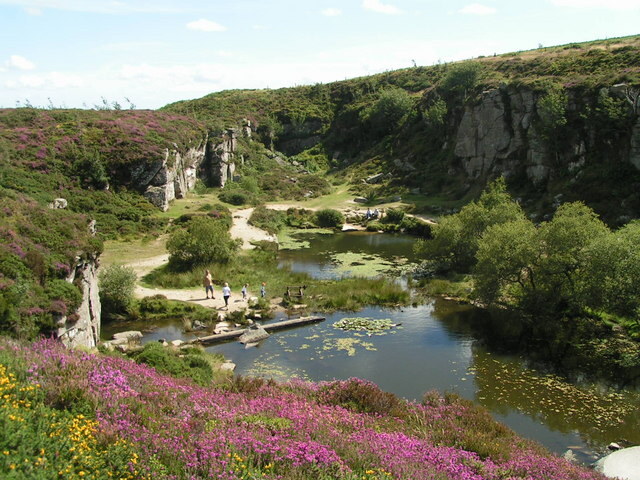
(432, 348)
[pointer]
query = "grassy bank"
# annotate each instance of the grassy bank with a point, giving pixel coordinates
(92, 416)
(260, 265)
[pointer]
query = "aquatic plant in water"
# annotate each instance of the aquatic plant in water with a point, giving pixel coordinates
(373, 326)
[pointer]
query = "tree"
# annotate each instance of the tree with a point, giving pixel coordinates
(388, 112)
(203, 241)
(552, 119)
(506, 259)
(456, 236)
(461, 79)
(612, 272)
(566, 240)
(117, 284)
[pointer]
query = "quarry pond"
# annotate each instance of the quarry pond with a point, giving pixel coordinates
(430, 347)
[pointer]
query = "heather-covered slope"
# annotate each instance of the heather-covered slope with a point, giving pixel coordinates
(96, 413)
(68, 179)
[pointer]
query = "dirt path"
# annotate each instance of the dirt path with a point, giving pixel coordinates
(240, 229)
(248, 233)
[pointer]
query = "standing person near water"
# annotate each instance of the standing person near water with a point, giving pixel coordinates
(263, 290)
(207, 282)
(226, 293)
(244, 291)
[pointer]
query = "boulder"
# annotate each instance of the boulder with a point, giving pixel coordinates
(375, 178)
(176, 343)
(253, 335)
(623, 464)
(128, 335)
(83, 329)
(58, 203)
(228, 367)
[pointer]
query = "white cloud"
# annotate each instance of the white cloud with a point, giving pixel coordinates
(64, 80)
(331, 12)
(378, 6)
(180, 74)
(33, 11)
(477, 9)
(224, 53)
(602, 4)
(130, 46)
(205, 25)
(19, 62)
(99, 6)
(53, 80)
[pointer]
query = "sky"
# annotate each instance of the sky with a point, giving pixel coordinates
(148, 53)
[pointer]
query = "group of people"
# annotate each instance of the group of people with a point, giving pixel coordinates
(226, 290)
(371, 215)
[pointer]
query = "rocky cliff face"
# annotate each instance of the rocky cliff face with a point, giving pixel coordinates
(83, 327)
(497, 136)
(174, 175)
(171, 177)
(220, 165)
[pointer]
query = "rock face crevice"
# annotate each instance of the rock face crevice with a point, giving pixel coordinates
(82, 328)
(171, 177)
(495, 136)
(174, 175)
(220, 166)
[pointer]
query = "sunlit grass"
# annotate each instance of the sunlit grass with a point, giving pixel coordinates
(128, 251)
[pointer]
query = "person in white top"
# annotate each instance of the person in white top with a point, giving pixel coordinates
(226, 293)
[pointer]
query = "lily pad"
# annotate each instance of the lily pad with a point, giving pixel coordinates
(374, 326)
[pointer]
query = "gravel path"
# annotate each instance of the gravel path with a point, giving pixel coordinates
(240, 229)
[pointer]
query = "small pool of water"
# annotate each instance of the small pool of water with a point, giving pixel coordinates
(432, 350)
(365, 254)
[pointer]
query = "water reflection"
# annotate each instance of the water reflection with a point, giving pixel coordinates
(348, 254)
(434, 349)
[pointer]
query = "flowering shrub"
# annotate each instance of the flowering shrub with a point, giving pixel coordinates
(38, 441)
(180, 430)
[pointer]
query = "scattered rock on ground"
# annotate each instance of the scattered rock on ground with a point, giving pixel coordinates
(253, 335)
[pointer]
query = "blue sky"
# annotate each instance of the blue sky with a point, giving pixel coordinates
(73, 53)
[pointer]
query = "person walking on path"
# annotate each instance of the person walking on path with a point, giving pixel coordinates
(244, 291)
(226, 293)
(207, 281)
(263, 290)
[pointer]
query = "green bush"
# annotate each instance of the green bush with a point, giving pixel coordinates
(394, 215)
(117, 285)
(329, 218)
(203, 241)
(234, 197)
(270, 220)
(66, 292)
(300, 218)
(165, 360)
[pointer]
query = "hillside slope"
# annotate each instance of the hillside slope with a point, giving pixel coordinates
(560, 123)
(126, 418)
